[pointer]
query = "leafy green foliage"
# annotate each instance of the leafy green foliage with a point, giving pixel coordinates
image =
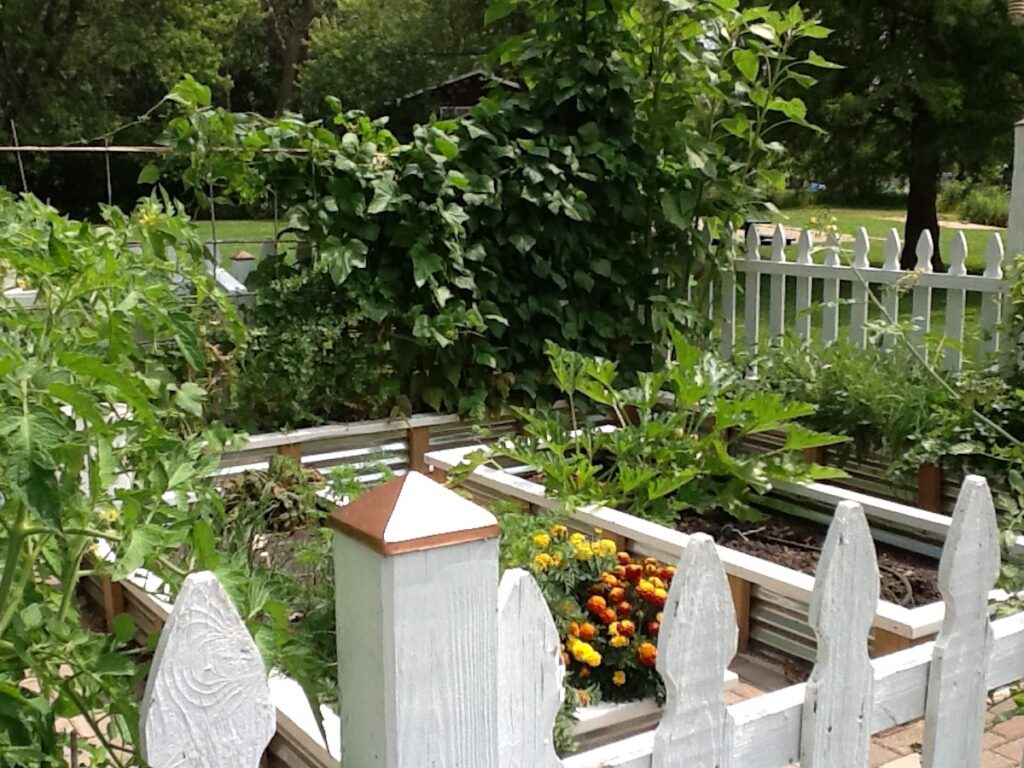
(104, 377)
(453, 255)
(278, 564)
(674, 448)
(889, 405)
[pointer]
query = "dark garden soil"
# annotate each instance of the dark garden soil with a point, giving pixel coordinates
(907, 578)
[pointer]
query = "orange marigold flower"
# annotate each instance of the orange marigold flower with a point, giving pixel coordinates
(624, 558)
(653, 627)
(565, 659)
(647, 654)
(627, 628)
(650, 561)
(610, 580)
(659, 617)
(574, 629)
(667, 572)
(650, 570)
(623, 609)
(585, 672)
(660, 595)
(619, 678)
(617, 595)
(597, 604)
(619, 571)
(634, 573)
(608, 615)
(587, 631)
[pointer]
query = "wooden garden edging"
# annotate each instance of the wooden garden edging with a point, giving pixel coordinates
(894, 627)
(451, 669)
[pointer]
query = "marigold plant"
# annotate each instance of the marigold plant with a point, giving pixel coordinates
(607, 605)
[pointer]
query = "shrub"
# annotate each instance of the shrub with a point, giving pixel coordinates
(461, 247)
(986, 205)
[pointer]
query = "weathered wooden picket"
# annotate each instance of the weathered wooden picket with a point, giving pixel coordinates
(847, 278)
(440, 666)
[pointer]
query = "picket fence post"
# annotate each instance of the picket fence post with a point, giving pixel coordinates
(991, 303)
(802, 320)
(695, 646)
(891, 297)
(530, 674)
(955, 303)
(830, 293)
(752, 294)
(836, 729)
(922, 294)
(416, 583)
(777, 288)
(859, 292)
(207, 701)
(955, 706)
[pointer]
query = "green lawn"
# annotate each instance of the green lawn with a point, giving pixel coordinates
(878, 222)
(239, 234)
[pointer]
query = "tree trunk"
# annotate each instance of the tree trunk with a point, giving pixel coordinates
(293, 52)
(923, 170)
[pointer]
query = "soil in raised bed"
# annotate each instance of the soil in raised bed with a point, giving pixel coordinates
(907, 578)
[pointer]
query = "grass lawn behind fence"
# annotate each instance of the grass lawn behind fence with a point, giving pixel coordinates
(878, 222)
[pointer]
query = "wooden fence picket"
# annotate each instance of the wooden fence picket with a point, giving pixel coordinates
(697, 642)
(752, 294)
(991, 303)
(955, 303)
(728, 323)
(530, 674)
(955, 707)
(922, 294)
(891, 297)
(207, 701)
(836, 729)
(802, 320)
(830, 295)
(777, 287)
(859, 290)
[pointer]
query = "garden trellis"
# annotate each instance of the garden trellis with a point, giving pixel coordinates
(455, 668)
(805, 318)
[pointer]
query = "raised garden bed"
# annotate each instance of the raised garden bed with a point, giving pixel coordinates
(771, 599)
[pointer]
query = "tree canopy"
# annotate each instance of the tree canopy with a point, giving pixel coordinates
(927, 86)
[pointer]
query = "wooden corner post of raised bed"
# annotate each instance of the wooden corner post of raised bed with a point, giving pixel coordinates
(416, 583)
(418, 440)
(929, 487)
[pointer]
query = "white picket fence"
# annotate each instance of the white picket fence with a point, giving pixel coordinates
(434, 674)
(846, 277)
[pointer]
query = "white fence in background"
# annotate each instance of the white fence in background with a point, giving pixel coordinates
(845, 276)
(433, 676)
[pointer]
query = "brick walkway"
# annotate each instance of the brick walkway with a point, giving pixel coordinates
(899, 747)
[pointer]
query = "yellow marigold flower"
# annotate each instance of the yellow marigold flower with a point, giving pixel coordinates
(559, 530)
(577, 539)
(593, 659)
(542, 561)
(541, 540)
(608, 547)
(598, 531)
(619, 678)
(582, 651)
(619, 641)
(556, 559)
